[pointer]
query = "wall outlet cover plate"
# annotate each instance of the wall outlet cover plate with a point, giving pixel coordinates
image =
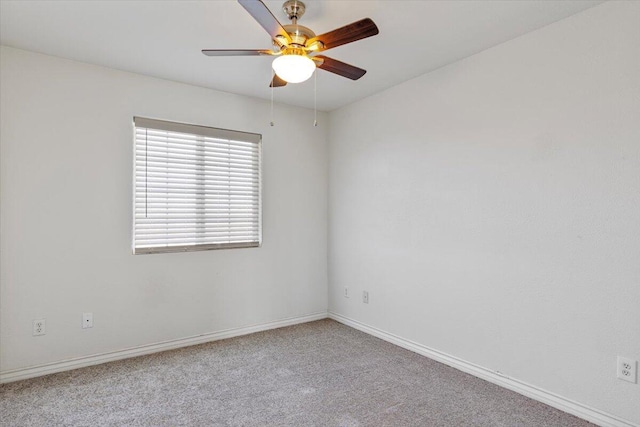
(627, 369)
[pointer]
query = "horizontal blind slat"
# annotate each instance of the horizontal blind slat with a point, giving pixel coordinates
(169, 143)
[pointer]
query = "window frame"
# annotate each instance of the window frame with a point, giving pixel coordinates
(199, 131)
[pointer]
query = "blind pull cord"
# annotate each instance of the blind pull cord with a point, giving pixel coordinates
(146, 174)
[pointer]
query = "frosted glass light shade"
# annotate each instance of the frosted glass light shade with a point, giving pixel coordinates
(293, 68)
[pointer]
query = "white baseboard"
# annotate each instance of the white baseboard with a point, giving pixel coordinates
(566, 405)
(587, 413)
(81, 362)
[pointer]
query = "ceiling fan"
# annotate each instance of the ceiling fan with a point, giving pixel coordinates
(296, 46)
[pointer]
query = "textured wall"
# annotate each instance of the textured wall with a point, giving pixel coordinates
(66, 176)
(492, 208)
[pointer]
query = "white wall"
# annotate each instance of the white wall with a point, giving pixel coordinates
(492, 208)
(66, 185)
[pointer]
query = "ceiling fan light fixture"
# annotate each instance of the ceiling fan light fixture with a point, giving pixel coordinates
(295, 46)
(293, 68)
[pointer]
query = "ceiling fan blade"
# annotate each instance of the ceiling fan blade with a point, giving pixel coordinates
(338, 67)
(277, 81)
(349, 33)
(237, 52)
(265, 18)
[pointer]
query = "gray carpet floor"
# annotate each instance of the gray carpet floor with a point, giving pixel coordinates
(315, 374)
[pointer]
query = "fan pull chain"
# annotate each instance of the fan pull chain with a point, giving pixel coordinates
(315, 98)
(273, 74)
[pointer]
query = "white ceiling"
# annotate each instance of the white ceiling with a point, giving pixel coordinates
(164, 39)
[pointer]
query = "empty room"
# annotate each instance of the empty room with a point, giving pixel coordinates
(320, 213)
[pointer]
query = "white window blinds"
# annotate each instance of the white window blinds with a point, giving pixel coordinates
(196, 188)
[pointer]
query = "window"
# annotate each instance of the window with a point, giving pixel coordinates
(196, 188)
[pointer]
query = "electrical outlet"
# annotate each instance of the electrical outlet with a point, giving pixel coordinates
(87, 320)
(365, 297)
(39, 327)
(627, 369)
(346, 292)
